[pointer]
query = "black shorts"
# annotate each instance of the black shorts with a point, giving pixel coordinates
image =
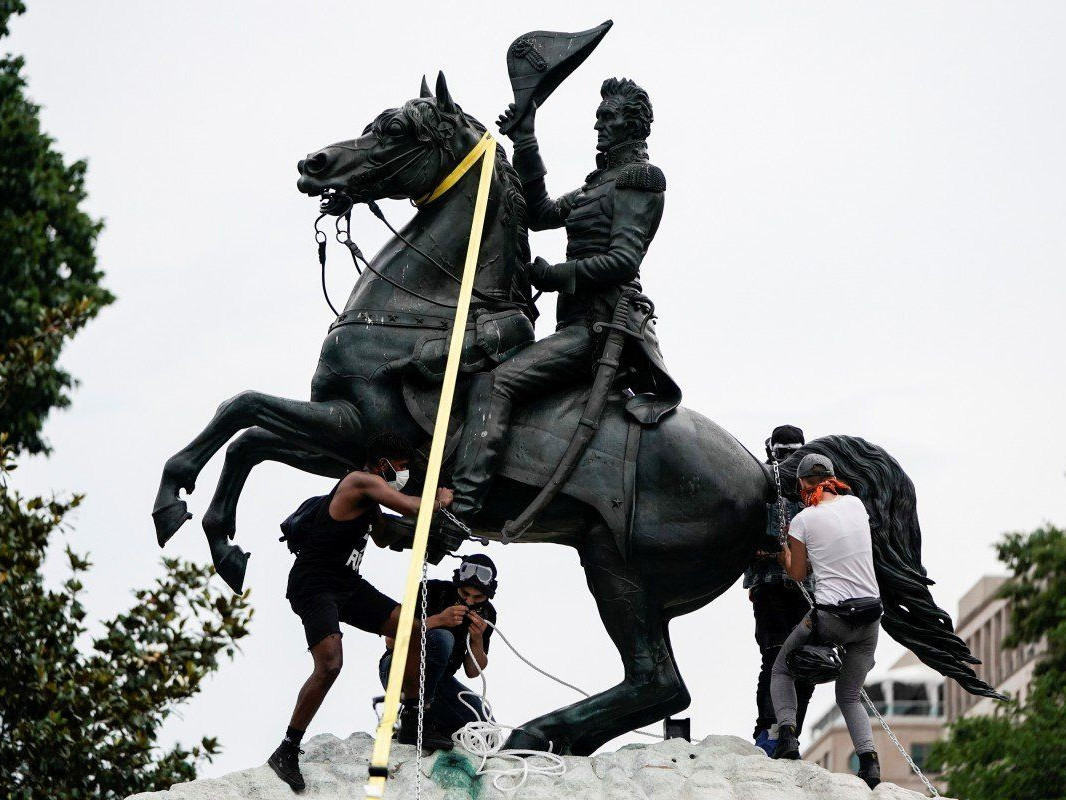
(362, 607)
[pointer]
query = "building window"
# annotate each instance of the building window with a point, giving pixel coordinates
(853, 761)
(920, 754)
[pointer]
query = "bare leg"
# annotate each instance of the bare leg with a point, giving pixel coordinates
(331, 427)
(252, 447)
(651, 690)
(329, 657)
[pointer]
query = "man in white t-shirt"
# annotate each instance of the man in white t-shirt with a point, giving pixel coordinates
(831, 537)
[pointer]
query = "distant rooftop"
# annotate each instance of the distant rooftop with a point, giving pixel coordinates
(978, 597)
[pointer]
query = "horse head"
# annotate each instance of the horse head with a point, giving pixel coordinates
(403, 153)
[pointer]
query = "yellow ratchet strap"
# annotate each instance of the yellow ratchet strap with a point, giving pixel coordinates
(379, 761)
(485, 143)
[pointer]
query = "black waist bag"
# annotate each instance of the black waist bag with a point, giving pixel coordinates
(857, 611)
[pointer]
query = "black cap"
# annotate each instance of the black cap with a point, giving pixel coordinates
(786, 434)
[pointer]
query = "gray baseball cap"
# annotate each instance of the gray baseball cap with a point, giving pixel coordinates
(814, 465)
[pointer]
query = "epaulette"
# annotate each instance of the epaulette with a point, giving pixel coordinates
(642, 175)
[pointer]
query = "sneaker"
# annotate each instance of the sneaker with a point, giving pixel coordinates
(765, 743)
(788, 745)
(432, 738)
(286, 765)
(869, 769)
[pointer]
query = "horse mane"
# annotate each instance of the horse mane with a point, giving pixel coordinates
(911, 617)
(433, 125)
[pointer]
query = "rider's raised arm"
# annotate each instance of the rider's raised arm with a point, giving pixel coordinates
(637, 211)
(542, 212)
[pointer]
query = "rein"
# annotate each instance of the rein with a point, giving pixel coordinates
(480, 149)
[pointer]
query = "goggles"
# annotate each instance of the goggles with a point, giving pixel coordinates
(783, 451)
(479, 572)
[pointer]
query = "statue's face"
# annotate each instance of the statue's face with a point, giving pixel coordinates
(611, 127)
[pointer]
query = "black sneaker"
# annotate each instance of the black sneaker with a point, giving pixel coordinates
(788, 745)
(432, 738)
(869, 769)
(286, 765)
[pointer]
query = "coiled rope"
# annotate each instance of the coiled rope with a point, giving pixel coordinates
(485, 736)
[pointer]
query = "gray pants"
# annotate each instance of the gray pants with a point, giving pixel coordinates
(859, 644)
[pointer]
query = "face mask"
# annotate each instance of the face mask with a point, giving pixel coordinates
(401, 479)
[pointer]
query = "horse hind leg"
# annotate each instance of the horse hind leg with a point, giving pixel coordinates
(309, 423)
(651, 688)
(251, 448)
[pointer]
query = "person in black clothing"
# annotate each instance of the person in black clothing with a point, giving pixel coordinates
(776, 600)
(325, 587)
(458, 613)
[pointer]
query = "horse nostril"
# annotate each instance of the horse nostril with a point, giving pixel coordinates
(316, 163)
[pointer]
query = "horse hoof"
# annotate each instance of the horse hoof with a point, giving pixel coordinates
(529, 739)
(168, 519)
(232, 566)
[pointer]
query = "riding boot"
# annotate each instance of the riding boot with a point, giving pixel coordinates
(869, 769)
(484, 435)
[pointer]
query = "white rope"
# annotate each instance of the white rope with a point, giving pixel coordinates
(485, 737)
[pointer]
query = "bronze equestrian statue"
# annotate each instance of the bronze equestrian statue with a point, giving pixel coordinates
(610, 222)
(665, 509)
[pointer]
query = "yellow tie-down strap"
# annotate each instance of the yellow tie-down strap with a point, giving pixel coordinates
(379, 761)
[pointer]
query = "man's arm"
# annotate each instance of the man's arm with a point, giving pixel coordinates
(794, 559)
(358, 488)
(636, 217)
(478, 648)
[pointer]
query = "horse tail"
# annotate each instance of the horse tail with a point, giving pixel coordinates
(911, 616)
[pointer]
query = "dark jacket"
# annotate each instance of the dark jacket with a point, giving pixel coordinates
(766, 571)
(610, 222)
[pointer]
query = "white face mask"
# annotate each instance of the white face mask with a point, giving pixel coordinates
(401, 479)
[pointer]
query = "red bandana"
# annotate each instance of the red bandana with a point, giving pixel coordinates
(813, 496)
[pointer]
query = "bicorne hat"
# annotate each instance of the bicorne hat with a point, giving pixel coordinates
(538, 61)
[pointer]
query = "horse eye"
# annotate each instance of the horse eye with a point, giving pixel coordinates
(395, 128)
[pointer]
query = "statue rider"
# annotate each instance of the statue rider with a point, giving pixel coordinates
(610, 222)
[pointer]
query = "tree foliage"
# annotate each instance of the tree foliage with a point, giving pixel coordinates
(1018, 753)
(81, 721)
(81, 704)
(48, 266)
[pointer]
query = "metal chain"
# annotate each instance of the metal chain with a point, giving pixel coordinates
(421, 685)
(458, 522)
(865, 697)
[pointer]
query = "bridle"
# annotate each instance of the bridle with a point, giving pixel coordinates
(343, 234)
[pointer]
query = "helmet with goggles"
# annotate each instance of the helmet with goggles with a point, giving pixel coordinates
(478, 572)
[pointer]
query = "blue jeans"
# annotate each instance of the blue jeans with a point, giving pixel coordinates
(444, 709)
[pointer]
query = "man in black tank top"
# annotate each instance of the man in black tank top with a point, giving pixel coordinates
(325, 587)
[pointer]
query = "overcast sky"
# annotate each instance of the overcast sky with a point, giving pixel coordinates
(863, 234)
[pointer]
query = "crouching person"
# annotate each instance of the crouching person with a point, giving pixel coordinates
(831, 536)
(458, 613)
(329, 536)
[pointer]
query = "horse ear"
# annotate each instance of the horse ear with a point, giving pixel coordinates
(425, 92)
(444, 97)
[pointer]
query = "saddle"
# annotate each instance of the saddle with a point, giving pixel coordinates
(542, 430)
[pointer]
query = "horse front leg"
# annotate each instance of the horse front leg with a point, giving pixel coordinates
(329, 426)
(248, 450)
(651, 689)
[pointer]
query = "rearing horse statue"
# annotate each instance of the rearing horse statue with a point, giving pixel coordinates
(665, 517)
